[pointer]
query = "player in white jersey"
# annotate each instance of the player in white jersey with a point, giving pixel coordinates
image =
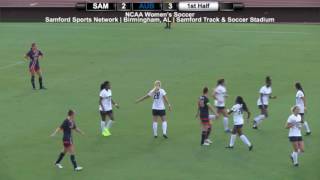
(105, 107)
(219, 95)
(301, 103)
(159, 96)
(263, 102)
(294, 124)
(237, 110)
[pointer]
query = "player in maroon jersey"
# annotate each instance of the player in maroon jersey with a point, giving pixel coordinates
(66, 127)
(203, 111)
(34, 55)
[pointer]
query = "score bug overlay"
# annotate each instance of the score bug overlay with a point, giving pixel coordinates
(192, 6)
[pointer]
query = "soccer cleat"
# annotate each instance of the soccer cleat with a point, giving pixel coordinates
(250, 148)
(296, 165)
(255, 127)
(208, 141)
(291, 158)
(78, 168)
(308, 133)
(165, 136)
(106, 132)
(229, 147)
(227, 131)
(155, 137)
(43, 88)
(205, 144)
(59, 166)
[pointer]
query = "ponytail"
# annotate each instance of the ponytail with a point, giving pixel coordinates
(299, 87)
(240, 100)
(102, 86)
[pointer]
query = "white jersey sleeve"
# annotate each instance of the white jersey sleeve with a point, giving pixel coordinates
(103, 94)
(150, 93)
(163, 92)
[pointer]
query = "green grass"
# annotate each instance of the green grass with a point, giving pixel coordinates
(78, 57)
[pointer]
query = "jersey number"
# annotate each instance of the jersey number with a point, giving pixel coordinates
(156, 95)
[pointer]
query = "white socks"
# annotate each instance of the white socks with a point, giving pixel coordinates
(242, 137)
(102, 125)
(232, 140)
(109, 124)
(164, 127)
(306, 125)
(259, 118)
(155, 128)
(294, 156)
(225, 123)
(245, 140)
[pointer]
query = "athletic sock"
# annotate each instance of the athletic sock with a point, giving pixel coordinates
(295, 157)
(232, 140)
(164, 127)
(102, 125)
(40, 82)
(155, 128)
(203, 136)
(109, 124)
(225, 123)
(258, 119)
(208, 132)
(73, 161)
(61, 155)
(245, 140)
(306, 125)
(32, 82)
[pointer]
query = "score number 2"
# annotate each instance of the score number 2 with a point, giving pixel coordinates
(124, 6)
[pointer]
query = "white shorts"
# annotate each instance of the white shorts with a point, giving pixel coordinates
(212, 117)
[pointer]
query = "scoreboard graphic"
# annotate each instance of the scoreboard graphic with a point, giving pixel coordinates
(160, 11)
(171, 6)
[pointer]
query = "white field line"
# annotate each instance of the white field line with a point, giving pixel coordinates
(11, 65)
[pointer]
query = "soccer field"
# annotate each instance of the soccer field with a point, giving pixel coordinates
(78, 57)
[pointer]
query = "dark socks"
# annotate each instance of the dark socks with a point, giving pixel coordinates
(73, 160)
(32, 82)
(60, 158)
(203, 136)
(208, 133)
(40, 82)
